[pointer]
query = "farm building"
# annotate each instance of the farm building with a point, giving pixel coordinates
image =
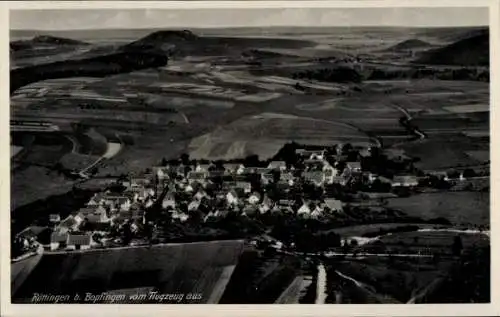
(194, 205)
(232, 197)
(287, 178)
(354, 167)
(194, 176)
(58, 240)
(54, 218)
(246, 187)
(79, 241)
(234, 168)
(315, 177)
(277, 165)
(333, 205)
(70, 223)
(405, 181)
(305, 209)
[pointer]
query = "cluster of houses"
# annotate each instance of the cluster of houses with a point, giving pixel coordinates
(209, 191)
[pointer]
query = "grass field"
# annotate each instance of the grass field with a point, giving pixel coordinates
(263, 135)
(180, 268)
(457, 207)
(385, 281)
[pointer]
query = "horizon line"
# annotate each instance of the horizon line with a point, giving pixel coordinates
(257, 27)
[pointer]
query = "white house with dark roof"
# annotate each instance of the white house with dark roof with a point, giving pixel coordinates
(316, 212)
(97, 199)
(234, 168)
(287, 178)
(405, 181)
(334, 205)
(305, 209)
(315, 177)
(78, 241)
(205, 168)
(180, 216)
(194, 205)
(266, 178)
(54, 218)
(277, 165)
(70, 223)
(58, 240)
(118, 202)
(232, 197)
(200, 194)
(354, 167)
(246, 187)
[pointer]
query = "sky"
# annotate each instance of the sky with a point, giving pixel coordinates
(85, 19)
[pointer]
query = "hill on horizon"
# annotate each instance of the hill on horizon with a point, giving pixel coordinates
(185, 42)
(409, 44)
(471, 51)
(44, 40)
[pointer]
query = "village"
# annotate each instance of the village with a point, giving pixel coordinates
(315, 183)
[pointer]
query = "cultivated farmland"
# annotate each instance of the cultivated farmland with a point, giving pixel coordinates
(202, 268)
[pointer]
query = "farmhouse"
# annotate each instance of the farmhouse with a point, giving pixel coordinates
(58, 240)
(204, 168)
(234, 168)
(315, 177)
(197, 176)
(267, 178)
(246, 187)
(54, 218)
(311, 154)
(79, 241)
(405, 181)
(277, 165)
(333, 205)
(194, 205)
(200, 194)
(70, 223)
(97, 199)
(317, 211)
(118, 202)
(304, 209)
(354, 167)
(232, 197)
(161, 172)
(287, 178)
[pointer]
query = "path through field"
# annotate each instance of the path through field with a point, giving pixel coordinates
(112, 149)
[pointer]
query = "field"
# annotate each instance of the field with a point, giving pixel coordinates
(202, 268)
(458, 207)
(247, 136)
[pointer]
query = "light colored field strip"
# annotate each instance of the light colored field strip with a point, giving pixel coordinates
(220, 286)
(14, 150)
(469, 108)
(291, 294)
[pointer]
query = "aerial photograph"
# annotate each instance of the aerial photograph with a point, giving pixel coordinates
(250, 156)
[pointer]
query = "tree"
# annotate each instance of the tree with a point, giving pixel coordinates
(469, 173)
(185, 159)
(346, 148)
(457, 246)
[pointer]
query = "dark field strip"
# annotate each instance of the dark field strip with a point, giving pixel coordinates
(171, 268)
